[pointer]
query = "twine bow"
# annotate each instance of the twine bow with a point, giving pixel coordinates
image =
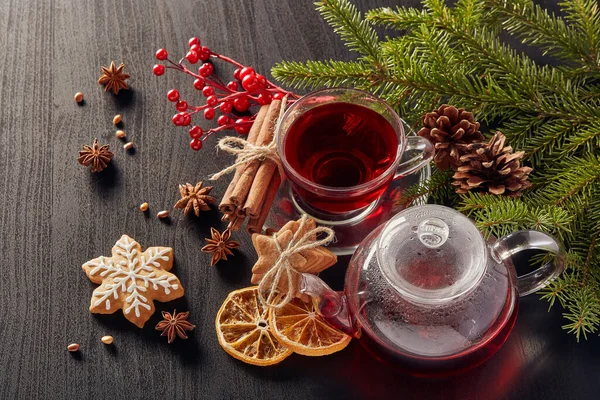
(247, 152)
(284, 266)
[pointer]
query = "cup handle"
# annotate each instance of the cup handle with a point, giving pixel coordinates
(424, 154)
(532, 240)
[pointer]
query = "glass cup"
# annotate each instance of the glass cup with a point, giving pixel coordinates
(413, 153)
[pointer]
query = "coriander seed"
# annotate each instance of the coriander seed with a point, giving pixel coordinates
(163, 214)
(143, 207)
(73, 347)
(107, 339)
(78, 97)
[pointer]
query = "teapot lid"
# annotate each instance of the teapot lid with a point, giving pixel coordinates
(431, 254)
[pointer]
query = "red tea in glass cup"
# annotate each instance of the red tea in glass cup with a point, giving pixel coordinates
(341, 148)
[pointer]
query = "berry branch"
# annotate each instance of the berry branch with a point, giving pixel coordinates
(247, 89)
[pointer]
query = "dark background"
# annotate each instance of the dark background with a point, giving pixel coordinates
(55, 215)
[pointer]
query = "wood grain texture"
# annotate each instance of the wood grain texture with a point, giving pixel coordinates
(55, 215)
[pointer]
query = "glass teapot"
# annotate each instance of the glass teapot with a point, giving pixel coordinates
(427, 293)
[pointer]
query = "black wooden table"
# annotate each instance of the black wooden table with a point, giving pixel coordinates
(55, 215)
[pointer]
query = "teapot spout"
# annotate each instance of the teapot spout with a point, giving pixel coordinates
(332, 305)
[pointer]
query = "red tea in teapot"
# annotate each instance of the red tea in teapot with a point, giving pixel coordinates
(422, 339)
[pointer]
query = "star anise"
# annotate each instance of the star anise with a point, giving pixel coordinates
(113, 78)
(219, 245)
(194, 198)
(98, 156)
(175, 324)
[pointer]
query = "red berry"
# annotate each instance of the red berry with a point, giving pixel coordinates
(161, 54)
(206, 69)
(181, 105)
(208, 91)
(204, 55)
(186, 118)
(173, 95)
(196, 48)
(236, 73)
(246, 71)
(212, 100)
(225, 107)
(223, 120)
(199, 83)
(264, 98)
(232, 85)
(241, 104)
(196, 144)
(192, 57)
(278, 96)
(195, 132)
(250, 83)
(158, 69)
(209, 113)
(242, 127)
(262, 81)
(178, 119)
(193, 41)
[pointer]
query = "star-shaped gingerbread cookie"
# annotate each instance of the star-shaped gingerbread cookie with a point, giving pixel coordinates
(131, 280)
(312, 260)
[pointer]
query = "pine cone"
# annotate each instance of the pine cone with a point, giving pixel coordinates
(490, 167)
(450, 130)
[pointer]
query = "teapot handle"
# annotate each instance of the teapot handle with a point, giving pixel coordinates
(532, 240)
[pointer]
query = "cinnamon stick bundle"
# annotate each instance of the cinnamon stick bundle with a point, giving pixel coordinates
(267, 130)
(254, 185)
(227, 206)
(262, 181)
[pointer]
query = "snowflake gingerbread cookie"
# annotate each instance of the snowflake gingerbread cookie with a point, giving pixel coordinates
(131, 280)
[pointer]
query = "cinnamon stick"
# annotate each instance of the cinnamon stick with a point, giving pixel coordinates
(260, 186)
(242, 186)
(262, 180)
(255, 225)
(226, 206)
(240, 212)
(235, 224)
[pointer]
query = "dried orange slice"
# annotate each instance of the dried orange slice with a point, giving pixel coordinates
(299, 327)
(243, 329)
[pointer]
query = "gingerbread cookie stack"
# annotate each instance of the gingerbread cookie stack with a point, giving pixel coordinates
(269, 249)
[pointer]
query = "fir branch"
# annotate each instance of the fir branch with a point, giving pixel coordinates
(575, 182)
(437, 188)
(585, 139)
(559, 289)
(330, 73)
(356, 32)
(583, 312)
(400, 18)
(584, 15)
(499, 216)
(535, 26)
